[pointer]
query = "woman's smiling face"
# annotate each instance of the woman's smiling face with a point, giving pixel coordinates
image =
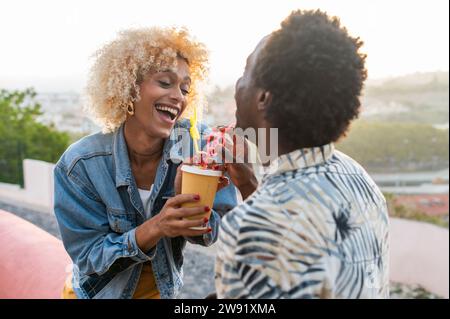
(163, 98)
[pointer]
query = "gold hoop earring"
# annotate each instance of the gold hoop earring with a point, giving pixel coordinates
(130, 108)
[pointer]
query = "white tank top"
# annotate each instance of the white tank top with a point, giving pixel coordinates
(145, 198)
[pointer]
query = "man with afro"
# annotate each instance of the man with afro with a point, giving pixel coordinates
(317, 225)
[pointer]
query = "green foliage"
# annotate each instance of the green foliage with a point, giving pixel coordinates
(396, 147)
(22, 136)
(404, 291)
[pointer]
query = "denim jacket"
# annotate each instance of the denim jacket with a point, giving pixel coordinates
(98, 208)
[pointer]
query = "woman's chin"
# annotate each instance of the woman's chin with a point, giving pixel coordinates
(160, 131)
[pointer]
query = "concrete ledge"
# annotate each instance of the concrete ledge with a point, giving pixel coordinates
(34, 264)
(38, 186)
(419, 254)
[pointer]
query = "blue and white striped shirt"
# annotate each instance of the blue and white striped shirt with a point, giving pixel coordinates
(316, 227)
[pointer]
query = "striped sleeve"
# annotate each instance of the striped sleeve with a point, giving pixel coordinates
(228, 283)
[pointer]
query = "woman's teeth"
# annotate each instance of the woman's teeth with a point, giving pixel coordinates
(171, 111)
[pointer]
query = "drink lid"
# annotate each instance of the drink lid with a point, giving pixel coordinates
(200, 171)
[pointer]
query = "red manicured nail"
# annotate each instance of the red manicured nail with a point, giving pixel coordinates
(205, 220)
(207, 209)
(197, 197)
(209, 230)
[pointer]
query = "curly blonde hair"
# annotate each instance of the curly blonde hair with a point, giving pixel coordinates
(123, 64)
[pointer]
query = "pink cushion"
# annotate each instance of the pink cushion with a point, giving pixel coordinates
(33, 263)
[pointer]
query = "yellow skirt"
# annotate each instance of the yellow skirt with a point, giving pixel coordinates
(146, 287)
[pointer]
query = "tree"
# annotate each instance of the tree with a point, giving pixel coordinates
(23, 136)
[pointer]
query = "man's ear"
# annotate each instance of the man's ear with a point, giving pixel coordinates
(264, 99)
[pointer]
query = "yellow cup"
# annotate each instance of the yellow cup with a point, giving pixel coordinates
(203, 182)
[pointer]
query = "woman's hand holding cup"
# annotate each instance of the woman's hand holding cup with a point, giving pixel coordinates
(173, 222)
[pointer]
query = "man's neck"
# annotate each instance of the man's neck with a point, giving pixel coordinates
(280, 147)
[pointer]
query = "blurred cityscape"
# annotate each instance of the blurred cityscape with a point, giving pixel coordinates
(401, 138)
(415, 105)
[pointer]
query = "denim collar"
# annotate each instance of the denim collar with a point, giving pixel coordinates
(124, 176)
(122, 165)
(121, 159)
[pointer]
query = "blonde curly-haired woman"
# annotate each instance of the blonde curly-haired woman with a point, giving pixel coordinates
(116, 200)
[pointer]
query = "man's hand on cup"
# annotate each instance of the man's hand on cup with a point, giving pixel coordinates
(235, 156)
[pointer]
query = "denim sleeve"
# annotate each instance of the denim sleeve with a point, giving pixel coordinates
(83, 222)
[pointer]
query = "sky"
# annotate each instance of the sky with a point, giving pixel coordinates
(48, 44)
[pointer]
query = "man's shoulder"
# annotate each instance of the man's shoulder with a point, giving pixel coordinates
(347, 163)
(355, 172)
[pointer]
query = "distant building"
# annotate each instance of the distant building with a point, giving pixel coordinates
(65, 110)
(431, 199)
